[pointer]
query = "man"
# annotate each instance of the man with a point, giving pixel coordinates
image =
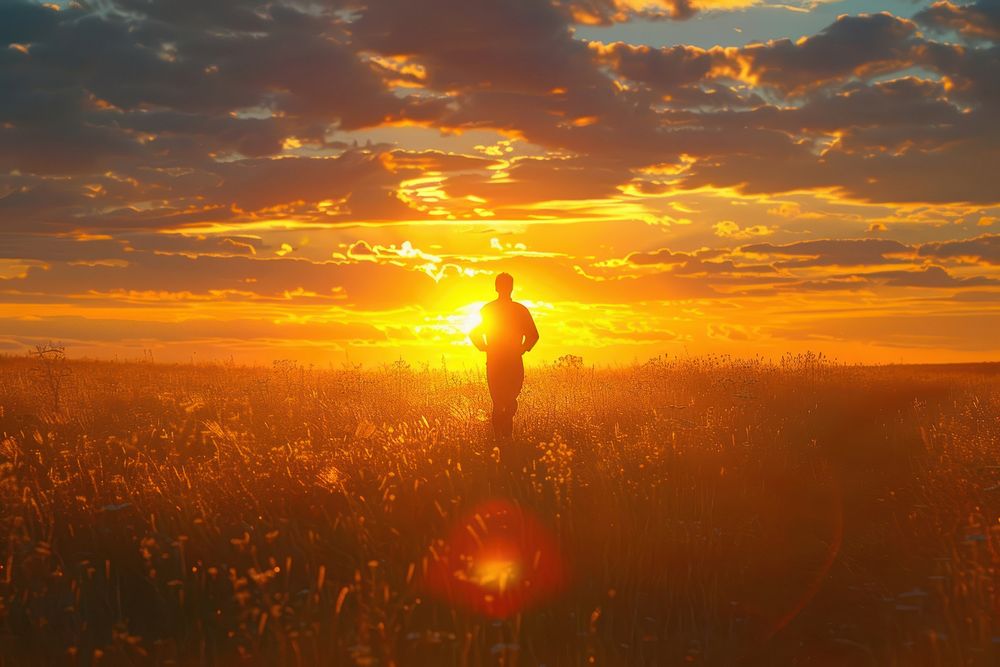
(506, 332)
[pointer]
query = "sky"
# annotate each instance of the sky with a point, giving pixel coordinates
(340, 182)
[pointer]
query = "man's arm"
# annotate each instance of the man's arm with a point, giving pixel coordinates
(530, 331)
(478, 337)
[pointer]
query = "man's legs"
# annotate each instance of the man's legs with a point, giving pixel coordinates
(505, 381)
(503, 419)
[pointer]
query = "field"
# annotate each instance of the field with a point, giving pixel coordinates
(683, 511)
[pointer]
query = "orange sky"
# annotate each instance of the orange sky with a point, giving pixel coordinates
(338, 182)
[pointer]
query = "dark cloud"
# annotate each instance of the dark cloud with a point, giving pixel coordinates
(176, 73)
(977, 20)
(180, 85)
(906, 104)
(182, 135)
(701, 263)
(721, 269)
(514, 46)
(831, 252)
(927, 277)
(260, 183)
(64, 149)
(358, 180)
(971, 71)
(46, 248)
(71, 329)
(714, 267)
(516, 66)
(712, 95)
(661, 256)
(362, 285)
(664, 69)
(433, 160)
(851, 45)
(544, 179)
(961, 171)
(606, 12)
(829, 122)
(233, 15)
(26, 22)
(985, 249)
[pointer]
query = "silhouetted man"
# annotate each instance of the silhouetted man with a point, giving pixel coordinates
(505, 333)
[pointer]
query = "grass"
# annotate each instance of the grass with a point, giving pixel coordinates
(705, 511)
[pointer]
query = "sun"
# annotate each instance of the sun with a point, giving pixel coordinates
(466, 318)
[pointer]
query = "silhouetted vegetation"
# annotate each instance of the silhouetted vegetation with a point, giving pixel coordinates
(711, 511)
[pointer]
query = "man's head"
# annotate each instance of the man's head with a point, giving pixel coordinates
(504, 284)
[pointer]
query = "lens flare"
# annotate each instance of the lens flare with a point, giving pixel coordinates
(497, 560)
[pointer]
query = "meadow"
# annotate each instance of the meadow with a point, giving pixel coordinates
(705, 511)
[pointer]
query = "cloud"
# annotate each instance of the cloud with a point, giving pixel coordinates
(977, 20)
(931, 277)
(174, 73)
(954, 173)
(98, 330)
(705, 265)
(185, 112)
(831, 252)
(516, 46)
(661, 256)
(606, 12)
(25, 22)
(907, 105)
(532, 179)
(984, 249)
(728, 229)
(261, 183)
(851, 45)
(46, 248)
(664, 69)
(361, 285)
(829, 121)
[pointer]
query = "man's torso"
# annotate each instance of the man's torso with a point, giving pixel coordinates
(504, 325)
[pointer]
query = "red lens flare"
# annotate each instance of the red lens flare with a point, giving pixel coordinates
(497, 560)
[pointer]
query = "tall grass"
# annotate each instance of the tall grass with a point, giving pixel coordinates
(710, 511)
